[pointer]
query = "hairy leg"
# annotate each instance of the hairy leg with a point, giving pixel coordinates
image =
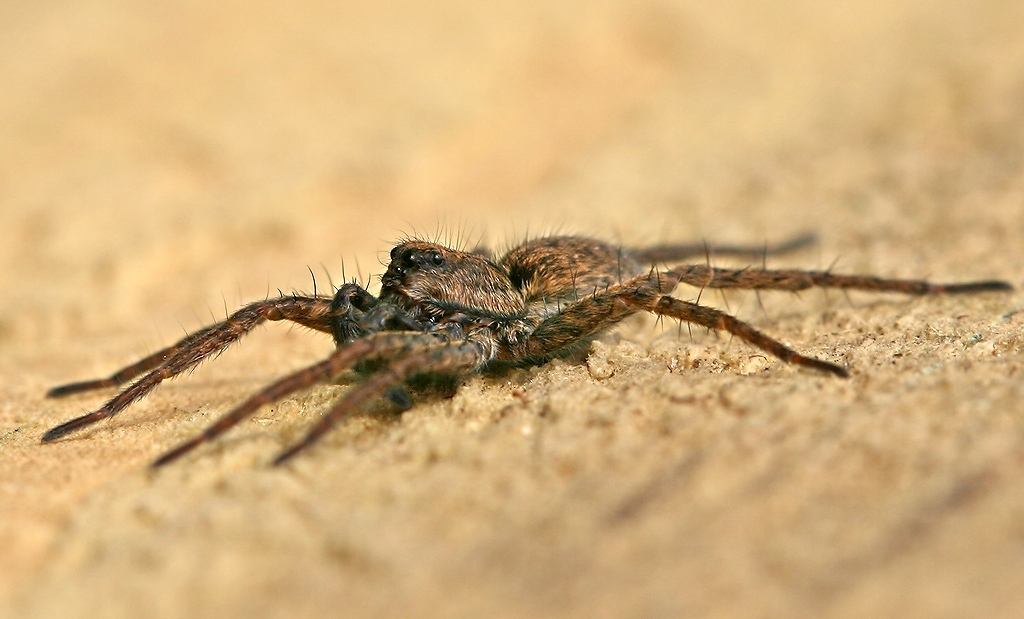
(591, 315)
(379, 346)
(716, 319)
(704, 276)
(312, 312)
(450, 358)
(649, 293)
(683, 251)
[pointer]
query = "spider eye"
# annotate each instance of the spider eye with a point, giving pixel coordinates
(437, 258)
(394, 252)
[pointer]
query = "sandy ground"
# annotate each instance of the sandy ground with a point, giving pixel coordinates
(161, 163)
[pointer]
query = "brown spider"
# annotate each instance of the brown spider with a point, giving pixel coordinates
(443, 313)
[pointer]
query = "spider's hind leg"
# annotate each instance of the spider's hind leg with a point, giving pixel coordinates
(702, 275)
(591, 315)
(684, 251)
(719, 320)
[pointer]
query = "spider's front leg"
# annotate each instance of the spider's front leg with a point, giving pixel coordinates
(409, 352)
(310, 312)
(318, 313)
(451, 358)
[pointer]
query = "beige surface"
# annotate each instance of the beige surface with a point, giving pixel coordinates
(159, 162)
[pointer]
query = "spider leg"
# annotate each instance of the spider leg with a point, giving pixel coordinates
(449, 358)
(576, 323)
(307, 311)
(589, 316)
(376, 346)
(703, 275)
(719, 320)
(675, 253)
(312, 312)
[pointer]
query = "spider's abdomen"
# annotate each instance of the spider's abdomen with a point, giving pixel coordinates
(564, 268)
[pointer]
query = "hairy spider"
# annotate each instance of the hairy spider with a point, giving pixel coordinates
(448, 313)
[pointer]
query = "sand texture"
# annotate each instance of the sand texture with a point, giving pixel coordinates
(162, 163)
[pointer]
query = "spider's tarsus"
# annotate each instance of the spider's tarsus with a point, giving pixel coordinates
(798, 242)
(178, 452)
(87, 385)
(825, 366)
(70, 426)
(288, 454)
(972, 287)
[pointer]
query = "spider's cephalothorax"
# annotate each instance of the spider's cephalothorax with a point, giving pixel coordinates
(449, 313)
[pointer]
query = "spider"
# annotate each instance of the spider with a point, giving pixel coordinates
(444, 314)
